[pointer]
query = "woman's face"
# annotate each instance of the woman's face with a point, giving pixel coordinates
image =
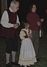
(34, 8)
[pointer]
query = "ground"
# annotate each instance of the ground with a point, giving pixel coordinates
(42, 53)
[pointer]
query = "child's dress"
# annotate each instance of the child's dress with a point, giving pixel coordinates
(27, 52)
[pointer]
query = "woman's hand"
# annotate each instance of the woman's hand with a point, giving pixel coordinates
(38, 23)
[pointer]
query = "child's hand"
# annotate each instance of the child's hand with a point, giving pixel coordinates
(30, 36)
(30, 33)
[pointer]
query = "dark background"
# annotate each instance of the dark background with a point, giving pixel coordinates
(24, 6)
(41, 7)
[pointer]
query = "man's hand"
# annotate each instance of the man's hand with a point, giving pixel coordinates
(16, 26)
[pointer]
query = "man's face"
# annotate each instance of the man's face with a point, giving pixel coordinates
(15, 7)
(34, 8)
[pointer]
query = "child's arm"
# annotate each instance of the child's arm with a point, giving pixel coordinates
(30, 34)
(22, 34)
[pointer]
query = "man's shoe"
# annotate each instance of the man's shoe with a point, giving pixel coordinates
(14, 63)
(8, 65)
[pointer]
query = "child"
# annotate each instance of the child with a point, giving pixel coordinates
(27, 53)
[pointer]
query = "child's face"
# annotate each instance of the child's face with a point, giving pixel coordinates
(15, 7)
(27, 26)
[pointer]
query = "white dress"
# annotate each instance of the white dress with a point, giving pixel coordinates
(27, 52)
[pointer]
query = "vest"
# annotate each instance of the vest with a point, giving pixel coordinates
(9, 32)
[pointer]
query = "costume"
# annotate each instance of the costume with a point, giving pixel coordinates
(27, 52)
(7, 31)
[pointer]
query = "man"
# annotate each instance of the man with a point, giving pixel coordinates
(34, 21)
(10, 23)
